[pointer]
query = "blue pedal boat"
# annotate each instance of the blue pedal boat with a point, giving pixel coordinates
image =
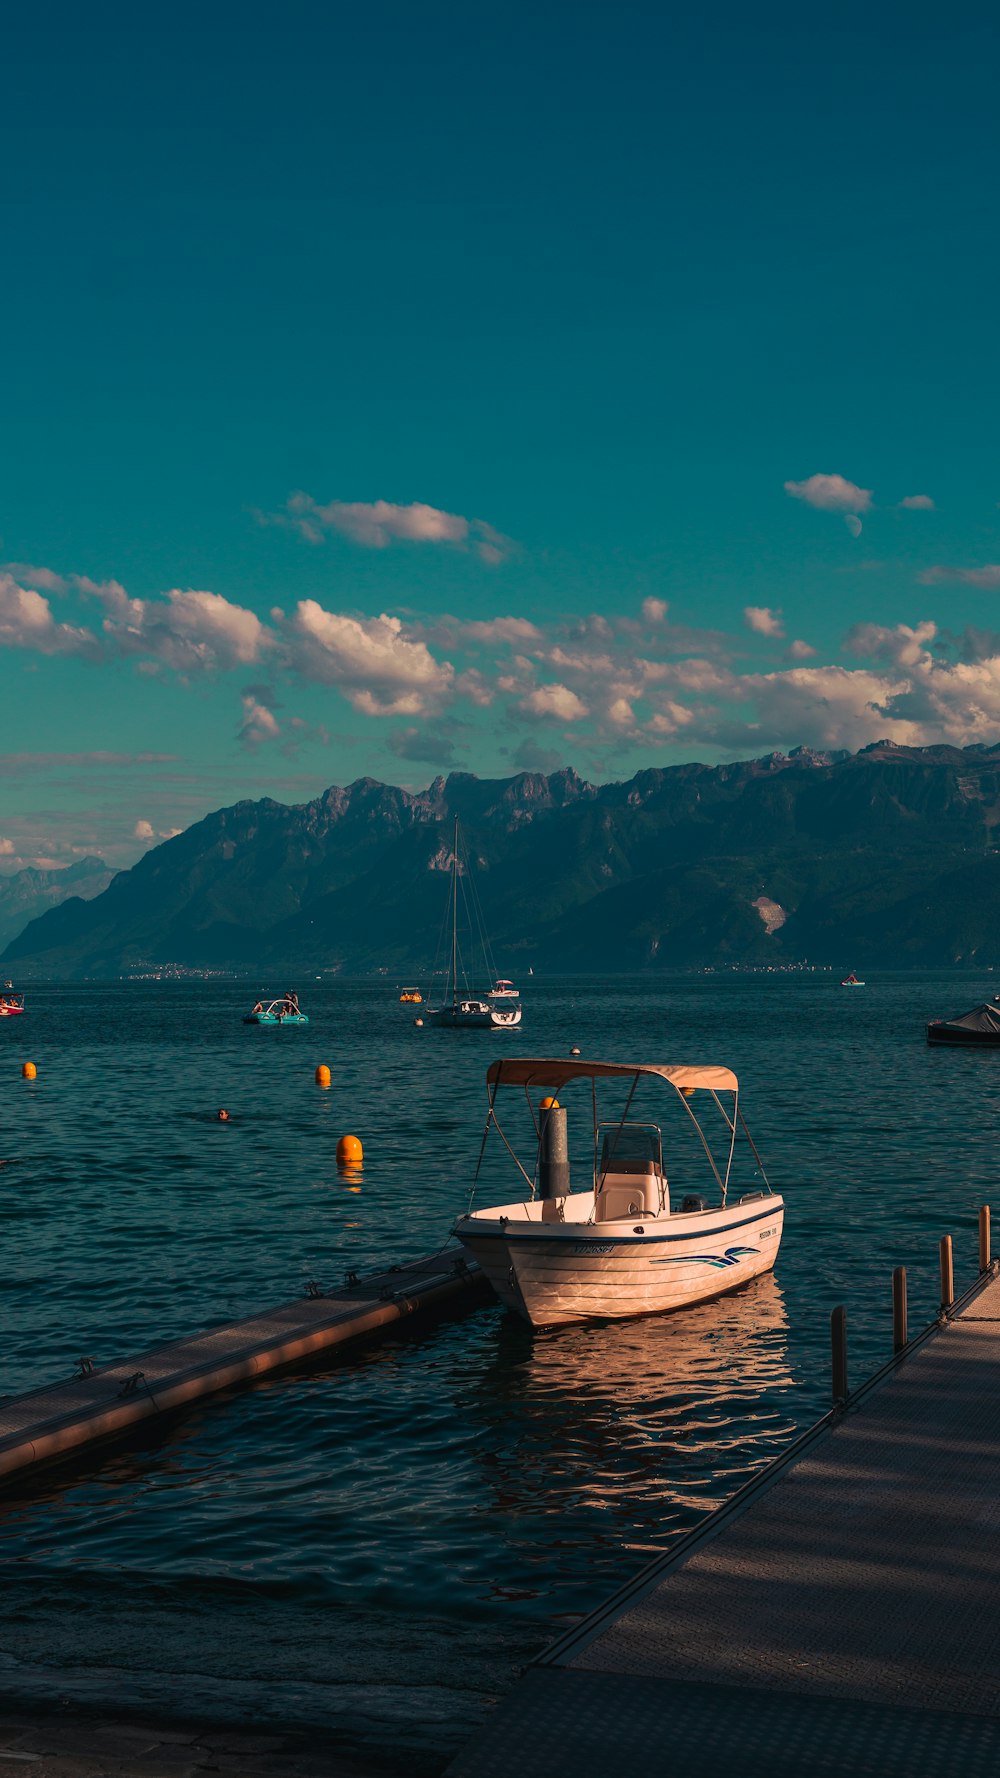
(275, 1013)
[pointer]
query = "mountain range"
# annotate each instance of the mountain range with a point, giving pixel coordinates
(29, 892)
(889, 856)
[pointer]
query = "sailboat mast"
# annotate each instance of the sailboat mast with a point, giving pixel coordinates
(454, 917)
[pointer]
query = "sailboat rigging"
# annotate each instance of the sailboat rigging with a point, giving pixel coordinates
(464, 1010)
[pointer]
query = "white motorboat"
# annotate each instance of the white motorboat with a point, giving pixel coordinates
(633, 1243)
(503, 990)
(463, 1010)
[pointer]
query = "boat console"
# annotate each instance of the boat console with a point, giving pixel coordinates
(630, 1180)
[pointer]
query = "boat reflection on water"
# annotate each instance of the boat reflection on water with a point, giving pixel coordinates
(629, 1431)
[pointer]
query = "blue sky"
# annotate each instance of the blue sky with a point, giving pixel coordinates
(394, 390)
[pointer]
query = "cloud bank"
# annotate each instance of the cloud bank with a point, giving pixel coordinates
(639, 681)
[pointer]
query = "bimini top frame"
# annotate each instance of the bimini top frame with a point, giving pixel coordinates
(529, 1071)
(556, 1072)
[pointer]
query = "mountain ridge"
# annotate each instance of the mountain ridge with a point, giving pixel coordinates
(28, 892)
(886, 855)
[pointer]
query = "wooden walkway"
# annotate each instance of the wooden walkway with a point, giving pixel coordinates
(60, 1422)
(843, 1615)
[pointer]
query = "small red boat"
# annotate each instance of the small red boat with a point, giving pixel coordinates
(10, 1003)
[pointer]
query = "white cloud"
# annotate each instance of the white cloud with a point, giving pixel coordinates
(686, 675)
(827, 706)
(917, 503)
(986, 576)
(475, 687)
(7, 849)
(26, 621)
(902, 645)
(831, 493)
(259, 722)
(800, 651)
(654, 611)
(500, 629)
(42, 579)
(380, 669)
(763, 620)
(375, 524)
(554, 700)
(188, 630)
(147, 833)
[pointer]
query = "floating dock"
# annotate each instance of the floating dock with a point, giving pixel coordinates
(840, 1615)
(105, 1401)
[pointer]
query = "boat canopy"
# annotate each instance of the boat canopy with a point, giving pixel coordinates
(985, 1018)
(529, 1071)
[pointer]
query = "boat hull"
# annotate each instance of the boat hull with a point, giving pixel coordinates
(962, 1038)
(554, 1273)
(268, 1018)
(474, 1016)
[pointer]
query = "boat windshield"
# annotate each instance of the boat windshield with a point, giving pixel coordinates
(630, 1146)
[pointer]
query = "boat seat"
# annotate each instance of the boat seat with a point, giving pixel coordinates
(629, 1191)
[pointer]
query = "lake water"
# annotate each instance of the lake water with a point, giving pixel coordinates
(380, 1544)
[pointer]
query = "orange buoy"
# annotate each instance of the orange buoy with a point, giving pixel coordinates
(349, 1152)
(28, 1070)
(549, 1105)
(322, 1075)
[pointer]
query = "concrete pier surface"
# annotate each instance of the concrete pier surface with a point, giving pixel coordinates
(844, 1617)
(105, 1401)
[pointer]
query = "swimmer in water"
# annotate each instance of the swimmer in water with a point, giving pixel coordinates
(223, 1116)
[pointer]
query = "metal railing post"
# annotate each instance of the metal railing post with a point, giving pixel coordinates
(838, 1346)
(899, 1319)
(985, 1257)
(947, 1274)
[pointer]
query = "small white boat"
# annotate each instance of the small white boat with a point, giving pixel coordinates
(11, 1004)
(631, 1244)
(503, 990)
(852, 981)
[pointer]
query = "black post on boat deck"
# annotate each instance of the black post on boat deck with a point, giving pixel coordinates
(838, 1343)
(553, 1153)
(899, 1318)
(985, 1257)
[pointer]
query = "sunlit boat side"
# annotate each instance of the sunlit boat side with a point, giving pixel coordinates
(625, 1246)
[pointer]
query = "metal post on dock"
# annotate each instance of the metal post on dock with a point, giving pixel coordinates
(947, 1275)
(899, 1332)
(838, 1343)
(985, 1257)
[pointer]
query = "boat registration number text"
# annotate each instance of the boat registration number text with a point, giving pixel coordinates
(765, 1234)
(593, 1247)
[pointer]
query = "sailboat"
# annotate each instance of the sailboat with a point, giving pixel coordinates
(466, 1011)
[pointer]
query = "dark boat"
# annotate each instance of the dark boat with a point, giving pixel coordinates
(980, 1026)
